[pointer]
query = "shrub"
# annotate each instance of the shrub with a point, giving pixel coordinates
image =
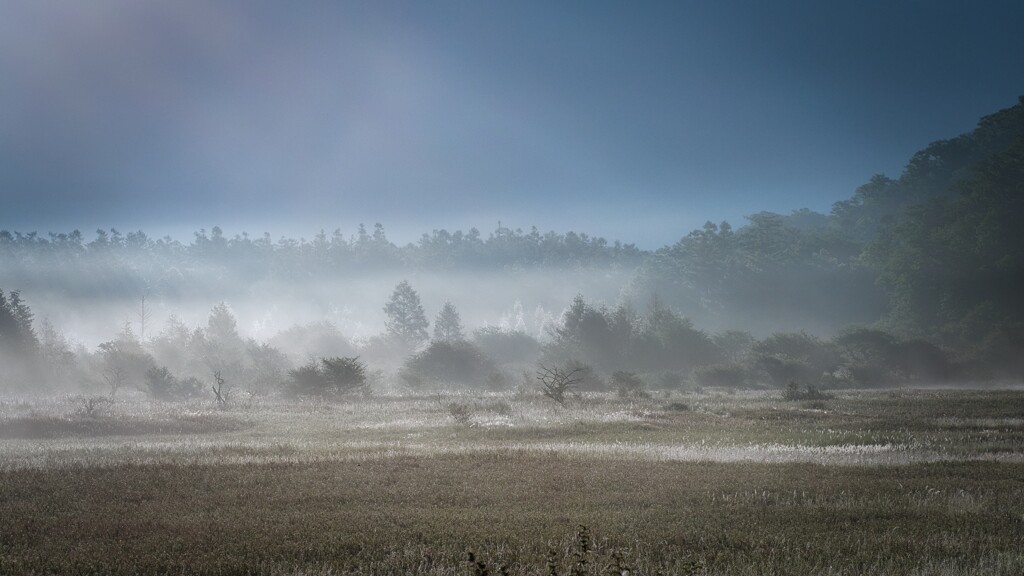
(160, 383)
(163, 385)
(795, 356)
(589, 380)
(497, 381)
(506, 346)
(669, 380)
(629, 385)
(125, 363)
(461, 413)
(448, 363)
(557, 382)
(89, 407)
(720, 375)
(328, 378)
(793, 392)
(921, 360)
(319, 339)
(501, 408)
(778, 370)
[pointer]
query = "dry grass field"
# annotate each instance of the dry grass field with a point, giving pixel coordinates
(883, 482)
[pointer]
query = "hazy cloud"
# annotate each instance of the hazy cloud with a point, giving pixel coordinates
(454, 114)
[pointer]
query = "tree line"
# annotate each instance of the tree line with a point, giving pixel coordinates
(604, 348)
(926, 266)
(322, 254)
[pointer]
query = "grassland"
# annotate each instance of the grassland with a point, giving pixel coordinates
(890, 482)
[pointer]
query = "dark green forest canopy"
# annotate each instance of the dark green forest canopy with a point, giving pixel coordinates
(935, 253)
(954, 267)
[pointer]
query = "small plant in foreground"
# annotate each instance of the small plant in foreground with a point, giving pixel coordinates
(580, 559)
(552, 562)
(478, 568)
(581, 552)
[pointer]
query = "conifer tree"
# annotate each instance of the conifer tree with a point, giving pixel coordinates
(406, 320)
(448, 326)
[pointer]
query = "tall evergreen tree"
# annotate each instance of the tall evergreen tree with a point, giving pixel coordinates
(448, 326)
(16, 332)
(222, 327)
(406, 320)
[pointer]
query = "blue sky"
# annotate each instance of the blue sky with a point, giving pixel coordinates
(636, 121)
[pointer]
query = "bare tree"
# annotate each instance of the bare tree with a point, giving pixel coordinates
(144, 315)
(90, 407)
(218, 390)
(115, 378)
(557, 382)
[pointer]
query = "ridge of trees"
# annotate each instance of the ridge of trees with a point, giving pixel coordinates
(935, 253)
(504, 247)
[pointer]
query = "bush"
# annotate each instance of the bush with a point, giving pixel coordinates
(793, 392)
(588, 379)
(507, 347)
(795, 356)
(163, 385)
(778, 370)
(319, 339)
(629, 385)
(328, 378)
(556, 383)
(462, 414)
(669, 380)
(498, 381)
(923, 361)
(720, 375)
(457, 363)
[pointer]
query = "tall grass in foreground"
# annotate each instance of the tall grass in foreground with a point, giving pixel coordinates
(421, 515)
(888, 482)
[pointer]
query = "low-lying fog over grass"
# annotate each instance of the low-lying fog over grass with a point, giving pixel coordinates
(801, 394)
(895, 285)
(856, 428)
(511, 288)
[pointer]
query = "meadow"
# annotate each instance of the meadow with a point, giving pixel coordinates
(906, 481)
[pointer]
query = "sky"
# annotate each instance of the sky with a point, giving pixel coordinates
(635, 121)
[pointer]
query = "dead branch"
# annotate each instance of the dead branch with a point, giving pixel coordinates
(556, 382)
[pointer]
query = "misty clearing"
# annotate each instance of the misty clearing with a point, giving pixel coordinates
(238, 369)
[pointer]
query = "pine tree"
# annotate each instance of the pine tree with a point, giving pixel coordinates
(448, 326)
(221, 326)
(406, 320)
(16, 332)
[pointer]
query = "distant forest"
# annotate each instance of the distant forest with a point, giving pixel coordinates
(935, 255)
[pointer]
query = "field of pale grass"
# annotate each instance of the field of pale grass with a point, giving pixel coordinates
(879, 482)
